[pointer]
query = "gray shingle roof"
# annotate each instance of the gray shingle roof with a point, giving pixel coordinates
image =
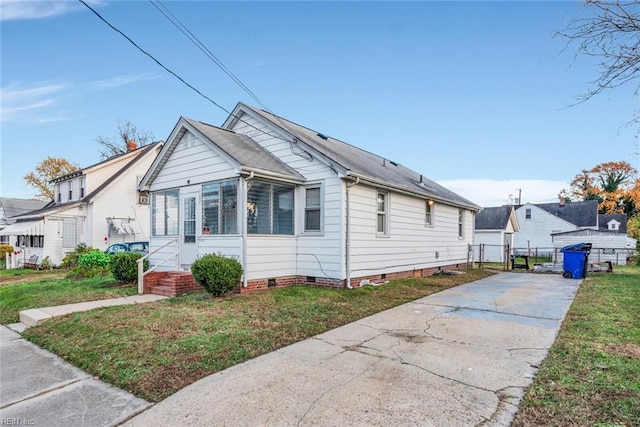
(604, 219)
(14, 207)
(244, 150)
(580, 214)
(366, 165)
(495, 218)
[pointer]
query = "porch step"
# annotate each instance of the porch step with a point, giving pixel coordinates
(163, 290)
(173, 283)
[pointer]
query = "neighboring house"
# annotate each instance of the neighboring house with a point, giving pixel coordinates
(11, 207)
(97, 206)
(539, 221)
(494, 233)
(296, 206)
(610, 241)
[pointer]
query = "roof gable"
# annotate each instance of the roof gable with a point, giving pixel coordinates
(357, 162)
(496, 218)
(605, 219)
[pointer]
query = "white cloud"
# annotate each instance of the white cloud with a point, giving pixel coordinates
(35, 9)
(17, 102)
(489, 192)
(123, 80)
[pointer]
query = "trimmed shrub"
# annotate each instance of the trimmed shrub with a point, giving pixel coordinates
(46, 264)
(216, 273)
(124, 266)
(80, 272)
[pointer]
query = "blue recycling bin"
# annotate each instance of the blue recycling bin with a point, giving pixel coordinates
(574, 261)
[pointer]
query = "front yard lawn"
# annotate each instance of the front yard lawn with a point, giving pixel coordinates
(153, 350)
(38, 289)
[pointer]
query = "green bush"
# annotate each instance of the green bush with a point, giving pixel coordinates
(124, 266)
(94, 259)
(81, 272)
(216, 273)
(71, 259)
(4, 250)
(46, 264)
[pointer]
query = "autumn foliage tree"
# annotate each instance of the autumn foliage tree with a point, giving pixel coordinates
(45, 171)
(615, 185)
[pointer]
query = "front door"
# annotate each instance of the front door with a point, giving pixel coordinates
(188, 246)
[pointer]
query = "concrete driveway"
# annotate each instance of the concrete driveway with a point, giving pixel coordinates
(460, 357)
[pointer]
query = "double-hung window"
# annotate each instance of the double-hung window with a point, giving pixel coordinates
(429, 211)
(312, 209)
(461, 223)
(164, 213)
(382, 213)
(270, 208)
(82, 187)
(219, 208)
(70, 191)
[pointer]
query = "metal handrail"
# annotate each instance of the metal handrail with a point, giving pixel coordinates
(140, 261)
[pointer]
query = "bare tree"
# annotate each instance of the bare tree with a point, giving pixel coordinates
(609, 31)
(127, 131)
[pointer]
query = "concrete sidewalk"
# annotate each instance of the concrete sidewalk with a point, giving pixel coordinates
(40, 389)
(460, 357)
(34, 316)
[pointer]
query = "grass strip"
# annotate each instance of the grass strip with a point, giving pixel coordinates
(45, 292)
(591, 376)
(153, 350)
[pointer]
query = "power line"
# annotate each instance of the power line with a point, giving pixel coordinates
(191, 86)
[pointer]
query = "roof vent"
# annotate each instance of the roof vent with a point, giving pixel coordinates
(322, 136)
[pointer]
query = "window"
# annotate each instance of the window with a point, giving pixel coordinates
(189, 220)
(312, 212)
(81, 188)
(269, 209)
(382, 207)
(219, 208)
(164, 213)
(70, 191)
(429, 207)
(527, 213)
(69, 233)
(58, 193)
(461, 223)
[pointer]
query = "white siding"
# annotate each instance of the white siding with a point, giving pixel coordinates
(271, 256)
(195, 161)
(410, 244)
(536, 231)
(606, 246)
(494, 246)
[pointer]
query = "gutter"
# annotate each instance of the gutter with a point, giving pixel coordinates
(245, 227)
(347, 240)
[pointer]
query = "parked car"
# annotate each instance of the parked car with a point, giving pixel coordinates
(140, 247)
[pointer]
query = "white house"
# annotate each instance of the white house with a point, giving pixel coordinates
(97, 205)
(296, 206)
(494, 233)
(10, 207)
(609, 243)
(539, 221)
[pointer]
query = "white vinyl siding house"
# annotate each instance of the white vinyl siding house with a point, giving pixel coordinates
(94, 204)
(302, 215)
(495, 228)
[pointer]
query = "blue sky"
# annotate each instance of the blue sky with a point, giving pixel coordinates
(474, 95)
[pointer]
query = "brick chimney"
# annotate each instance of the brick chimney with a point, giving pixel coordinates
(131, 145)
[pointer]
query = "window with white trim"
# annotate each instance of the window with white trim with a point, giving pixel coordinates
(429, 207)
(312, 209)
(461, 223)
(527, 213)
(70, 191)
(58, 193)
(382, 204)
(165, 213)
(82, 187)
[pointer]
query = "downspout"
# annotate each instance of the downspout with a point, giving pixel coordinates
(347, 240)
(245, 227)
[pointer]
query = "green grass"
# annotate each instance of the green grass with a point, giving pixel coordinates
(591, 376)
(41, 291)
(153, 350)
